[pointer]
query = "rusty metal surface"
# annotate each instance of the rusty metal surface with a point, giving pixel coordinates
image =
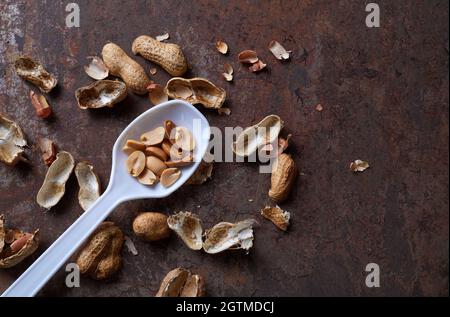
(385, 98)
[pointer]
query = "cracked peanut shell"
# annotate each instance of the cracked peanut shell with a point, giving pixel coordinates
(35, 73)
(188, 227)
(12, 141)
(89, 184)
(54, 185)
(196, 91)
(225, 235)
(101, 93)
(16, 245)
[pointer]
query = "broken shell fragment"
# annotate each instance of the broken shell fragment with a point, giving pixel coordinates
(253, 138)
(153, 137)
(96, 68)
(201, 175)
(278, 216)
(135, 163)
(169, 176)
(40, 104)
(225, 235)
(225, 111)
(173, 283)
(48, 150)
(15, 245)
(10, 154)
(222, 47)
(248, 57)
(194, 286)
(359, 166)
(188, 227)
(157, 94)
(228, 72)
(54, 185)
(271, 151)
(162, 37)
(35, 73)
(89, 185)
(10, 131)
(151, 226)
(278, 50)
(196, 91)
(130, 246)
(12, 142)
(102, 93)
(100, 256)
(256, 67)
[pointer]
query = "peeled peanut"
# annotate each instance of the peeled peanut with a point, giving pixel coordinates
(169, 176)
(133, 145)
(183, 138)
(153, 137)
(169, 56)
(155, 165)
(178, 163)
(121, 65)
(166, 146)
(151, 226)
(156, 151)
(136, 163)
(168, 126)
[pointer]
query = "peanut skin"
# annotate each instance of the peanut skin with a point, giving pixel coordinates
(284, 173)
(123, 66)
(169, 56)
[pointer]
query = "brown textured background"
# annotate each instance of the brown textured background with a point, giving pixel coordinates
(385, 98)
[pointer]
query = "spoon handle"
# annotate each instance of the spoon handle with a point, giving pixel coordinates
(35, 277)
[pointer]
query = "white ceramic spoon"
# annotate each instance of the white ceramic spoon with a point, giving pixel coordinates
(122, 187)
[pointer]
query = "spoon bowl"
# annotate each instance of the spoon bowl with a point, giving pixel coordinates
(122, 187)
(182, 114)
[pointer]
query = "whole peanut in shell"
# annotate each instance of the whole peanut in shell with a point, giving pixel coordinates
(123, 66)
(151, 226)
(284, 173)
(100, 257)
(168, 55)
